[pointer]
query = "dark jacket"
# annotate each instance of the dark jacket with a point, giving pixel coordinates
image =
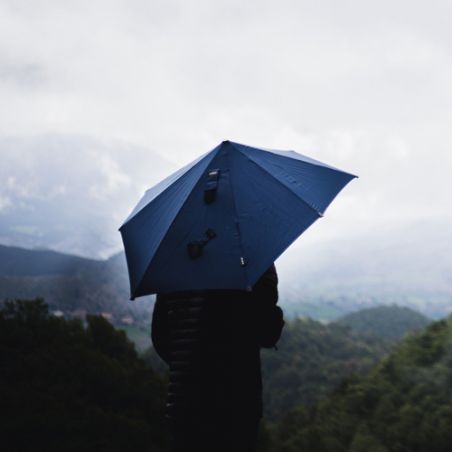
(211, 341)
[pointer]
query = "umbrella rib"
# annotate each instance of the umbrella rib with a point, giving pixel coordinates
(320, 214)
(304, 158)
(237, 223)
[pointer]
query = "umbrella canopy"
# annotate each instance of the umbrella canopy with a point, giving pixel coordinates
(221, 221)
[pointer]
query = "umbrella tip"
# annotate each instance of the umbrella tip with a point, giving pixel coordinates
(225, 142)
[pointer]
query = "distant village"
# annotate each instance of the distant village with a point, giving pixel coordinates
(82, 313)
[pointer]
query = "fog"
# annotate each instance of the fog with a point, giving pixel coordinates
(362, 86)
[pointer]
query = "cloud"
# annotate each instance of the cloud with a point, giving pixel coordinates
(25, 75)
(112, 180)
(71, 193)
(152, 71)
(4, 202)
(363, 86)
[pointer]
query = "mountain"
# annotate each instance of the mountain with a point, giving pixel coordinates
(18, 262)
(391, 322)
(72, 284)
(403, 404)
(70, 193)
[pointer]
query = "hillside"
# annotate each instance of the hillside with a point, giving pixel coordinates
(403, 405)
(104, 396)
(72, 285)
(391, 322)
(17, 262)
(312, 359)
(74, 388)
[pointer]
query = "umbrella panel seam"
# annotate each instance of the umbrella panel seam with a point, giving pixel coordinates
(320, 214)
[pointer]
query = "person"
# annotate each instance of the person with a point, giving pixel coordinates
(211, 341)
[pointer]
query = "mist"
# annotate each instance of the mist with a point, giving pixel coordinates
(103, 99)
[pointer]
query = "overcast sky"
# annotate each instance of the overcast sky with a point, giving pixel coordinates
(362, 85)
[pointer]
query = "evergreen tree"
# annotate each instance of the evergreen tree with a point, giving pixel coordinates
(64, 387)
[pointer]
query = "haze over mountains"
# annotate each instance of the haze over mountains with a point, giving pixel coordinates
(409, 265)
(71, 193)
(326, 284)
(72, 286)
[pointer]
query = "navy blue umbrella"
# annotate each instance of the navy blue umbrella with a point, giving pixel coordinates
(221, 221)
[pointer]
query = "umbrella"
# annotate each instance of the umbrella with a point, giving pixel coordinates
(221, 221)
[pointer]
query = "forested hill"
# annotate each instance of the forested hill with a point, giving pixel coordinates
(79, 387)
(391, 322)
(66, 387)
(405, 404)
(73, 285)
(312, 359)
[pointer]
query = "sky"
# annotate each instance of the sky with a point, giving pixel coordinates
(362, 85)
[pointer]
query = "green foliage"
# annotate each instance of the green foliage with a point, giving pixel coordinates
(67, 387)
(364, 441)
(311, 360)
(404, 404)
(391, 322)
